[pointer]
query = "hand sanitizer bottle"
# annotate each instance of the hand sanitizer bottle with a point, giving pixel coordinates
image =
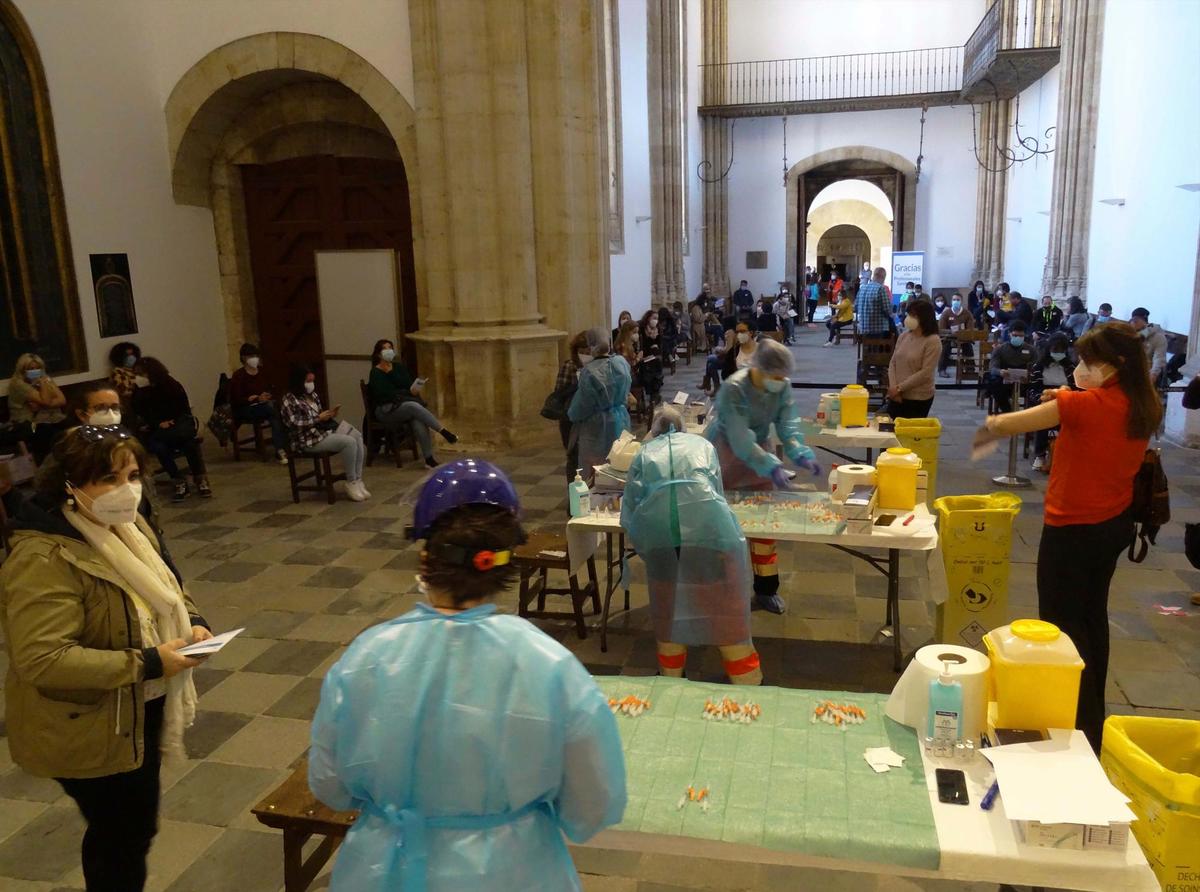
(579, 498)
(945, 708)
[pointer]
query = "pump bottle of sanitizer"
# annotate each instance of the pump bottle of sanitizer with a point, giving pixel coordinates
(579, 498)
(945, 708)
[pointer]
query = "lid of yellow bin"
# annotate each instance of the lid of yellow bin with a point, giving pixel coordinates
(1035, 630)
(899, 450)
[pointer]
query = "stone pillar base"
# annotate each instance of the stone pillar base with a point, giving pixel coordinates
(488, 383)
(1183, 426)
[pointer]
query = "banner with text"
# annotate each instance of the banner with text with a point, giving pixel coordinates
(907, 266)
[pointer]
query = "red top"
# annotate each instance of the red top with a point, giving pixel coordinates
(243, 385)
(1095, 461)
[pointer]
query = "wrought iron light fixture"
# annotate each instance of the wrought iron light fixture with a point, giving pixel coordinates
(1026, 148)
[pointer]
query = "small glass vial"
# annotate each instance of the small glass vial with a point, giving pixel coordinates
(928, 746)
(969, 750)
(960, 750)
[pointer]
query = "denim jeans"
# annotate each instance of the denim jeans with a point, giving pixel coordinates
(162, 443)
(263, 412)
(416, 417)
(349, 447)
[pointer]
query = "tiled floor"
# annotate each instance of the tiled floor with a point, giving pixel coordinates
(305, 579)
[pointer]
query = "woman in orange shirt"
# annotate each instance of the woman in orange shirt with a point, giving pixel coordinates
(1087, 521)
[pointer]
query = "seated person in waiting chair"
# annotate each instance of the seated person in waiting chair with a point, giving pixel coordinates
(1015, 354)
(168, 425)
(396, 396)
(316, 431)
(251, 402)
(841, 317)
(953, 320)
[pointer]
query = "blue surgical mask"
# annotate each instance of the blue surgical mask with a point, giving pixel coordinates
(1017, 340)
(387, 355)
(130, 360)
(33, 374)
(774, 385)
(1058, 357)
(1102, 318)
(956, 305)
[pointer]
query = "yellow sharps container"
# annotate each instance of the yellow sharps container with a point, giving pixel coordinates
(1034, 678)
(854, 405)
(896, 476)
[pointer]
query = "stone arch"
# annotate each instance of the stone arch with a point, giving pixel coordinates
(904, 199)
(267, 97)
(866, 217)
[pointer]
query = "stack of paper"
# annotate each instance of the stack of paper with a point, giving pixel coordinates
(210, 646)
(883, 758)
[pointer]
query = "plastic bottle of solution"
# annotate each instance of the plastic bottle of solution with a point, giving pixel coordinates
(945, 708)
(578, 496)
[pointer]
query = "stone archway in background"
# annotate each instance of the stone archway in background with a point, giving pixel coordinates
(270, 97)
(867, 217)
(893, 173)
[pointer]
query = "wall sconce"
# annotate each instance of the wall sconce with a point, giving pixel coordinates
(641, 219)
(1116, 202)
(1013, 219)
(1189, 187)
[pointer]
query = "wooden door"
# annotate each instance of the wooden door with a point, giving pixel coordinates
(297, 207)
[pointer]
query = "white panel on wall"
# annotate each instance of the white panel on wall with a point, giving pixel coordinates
(1030, 183)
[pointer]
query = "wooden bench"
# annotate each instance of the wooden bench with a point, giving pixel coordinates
(294, 809)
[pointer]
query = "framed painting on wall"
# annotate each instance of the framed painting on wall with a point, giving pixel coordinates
(114, 295)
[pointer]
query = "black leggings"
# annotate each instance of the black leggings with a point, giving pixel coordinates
(121, 811)
(1074, 569)
(909, 408)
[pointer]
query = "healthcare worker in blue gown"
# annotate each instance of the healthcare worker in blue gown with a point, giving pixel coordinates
(471, 741)
(598, 408)
(697, 567)
(748, 404)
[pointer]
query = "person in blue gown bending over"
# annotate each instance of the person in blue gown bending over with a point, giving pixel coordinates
(470, 741)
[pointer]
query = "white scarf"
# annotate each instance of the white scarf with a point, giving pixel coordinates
(130, 554)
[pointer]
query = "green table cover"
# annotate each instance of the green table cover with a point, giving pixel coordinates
(781, 782)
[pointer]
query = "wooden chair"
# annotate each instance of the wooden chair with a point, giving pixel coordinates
(321, 474)
(970, 367)
(852, 333)
(684, 348)
(534, 557)
(4, 530)
(875, 356)
(773, 335)
(377, 437)
(257, 437)
(293, 808)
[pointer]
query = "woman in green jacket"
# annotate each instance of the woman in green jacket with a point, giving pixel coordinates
(94, 614)
(396, 397)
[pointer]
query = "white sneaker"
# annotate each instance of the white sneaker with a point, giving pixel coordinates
(1039, 463)
(362, 487)
(354, 492)
(282, 455)
(827, 344)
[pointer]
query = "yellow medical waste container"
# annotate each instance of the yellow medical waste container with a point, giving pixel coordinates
(1156, 763)
(896, 479)
(1034, 679)
(923, 436)
(976, 537)
(854, 405)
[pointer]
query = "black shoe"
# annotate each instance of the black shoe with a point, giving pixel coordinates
(431, 462)
(181, 491)
(449, 437)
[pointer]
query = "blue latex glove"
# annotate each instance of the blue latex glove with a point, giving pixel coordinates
(780, 478)
(809, 464)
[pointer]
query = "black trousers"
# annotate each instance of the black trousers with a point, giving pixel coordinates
(909, 408)
(121, 811)
(162, 443)
(1074, 568)
(564, 431)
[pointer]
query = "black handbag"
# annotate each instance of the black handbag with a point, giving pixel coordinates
(1191, 394)
(555, 406)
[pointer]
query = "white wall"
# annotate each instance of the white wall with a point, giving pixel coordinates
(854, 190)
(945, 194)
(1150, 73)
(1027, 228)
(793, 29)
(107, 98)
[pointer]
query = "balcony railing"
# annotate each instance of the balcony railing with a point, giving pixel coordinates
(1011, 25)
(831, 78)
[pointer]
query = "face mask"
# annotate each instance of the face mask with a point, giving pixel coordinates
(1088, 378)
(911, 323)
(979, 290)
(585, 358)
(775, 385)
(252, 362)
(130, 360)
(992, 313)
(33, 374)
(1058, 357)
(1017, 340)
(1102, 318)
(104, 418)
(115, 506)
(141, 381)
(1145, 332)
(743, 337)
(310, 386)
(956, 305)
(387, 355)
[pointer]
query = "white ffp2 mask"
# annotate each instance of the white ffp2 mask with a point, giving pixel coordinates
(116, 506)
(105, 418)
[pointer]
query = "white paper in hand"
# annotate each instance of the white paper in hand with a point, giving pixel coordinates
(210, 646)
(985, 443)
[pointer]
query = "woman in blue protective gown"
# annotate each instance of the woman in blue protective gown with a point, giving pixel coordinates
(748, 404)
(697, 567)
(598, 408)
(471, 741)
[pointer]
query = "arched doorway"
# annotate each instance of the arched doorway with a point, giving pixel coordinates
(893, 174)
(854, 203)
(323, 112)
(841, 247)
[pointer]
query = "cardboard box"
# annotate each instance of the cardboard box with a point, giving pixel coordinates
(1078, 837)
(862, 527)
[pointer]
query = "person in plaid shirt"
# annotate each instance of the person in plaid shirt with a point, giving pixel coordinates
(312, 429)
(873, 305)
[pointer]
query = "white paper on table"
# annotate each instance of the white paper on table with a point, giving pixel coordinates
(681, 398)
(883, 755)
(210, 645)
(1051, 782)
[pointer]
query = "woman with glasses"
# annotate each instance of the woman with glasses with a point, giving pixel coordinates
(94, 614)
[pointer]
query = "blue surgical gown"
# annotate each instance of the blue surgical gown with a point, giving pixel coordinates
(472, 742)
(598, 408)
(697, 563)
(742, 428)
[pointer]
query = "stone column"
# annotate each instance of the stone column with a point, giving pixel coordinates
(511, 204)
(991, 201)
(1183, 425)
(717, 146)
(1075, 149)
(664, 75)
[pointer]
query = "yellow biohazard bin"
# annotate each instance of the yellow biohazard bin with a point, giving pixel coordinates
(1156, 763)
(922, 436)
(976, 537)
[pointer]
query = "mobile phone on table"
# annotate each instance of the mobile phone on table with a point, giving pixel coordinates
(885, 520)
(952, 786)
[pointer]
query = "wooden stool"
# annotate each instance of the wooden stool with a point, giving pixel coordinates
(532, 558)
(256, 438)
(322, 476)
(294, 809)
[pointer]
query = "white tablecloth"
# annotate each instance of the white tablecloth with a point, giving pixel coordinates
(852, 438)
